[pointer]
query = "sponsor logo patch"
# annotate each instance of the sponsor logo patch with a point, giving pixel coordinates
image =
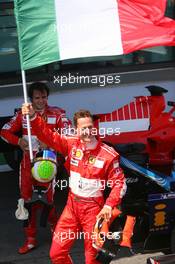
(79, 154)
(99, 163)
(91, 160)
(74, 162)
(64, 119)
(51, 120)
(115, 164)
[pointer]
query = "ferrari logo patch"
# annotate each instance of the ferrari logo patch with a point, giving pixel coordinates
(91, 160)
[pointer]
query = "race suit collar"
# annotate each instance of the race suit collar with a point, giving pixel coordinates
(43, 112)
(91, 146)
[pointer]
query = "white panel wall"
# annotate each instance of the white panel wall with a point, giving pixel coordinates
(103, 100)
(98, 100)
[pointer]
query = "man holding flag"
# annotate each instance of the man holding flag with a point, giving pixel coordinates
(56, 30)
(91, 164)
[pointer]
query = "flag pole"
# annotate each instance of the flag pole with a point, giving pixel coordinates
(27, 116)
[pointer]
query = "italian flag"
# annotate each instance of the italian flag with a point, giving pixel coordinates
(52, 30)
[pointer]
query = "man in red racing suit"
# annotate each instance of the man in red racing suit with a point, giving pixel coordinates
(92, 165)
(54, 118)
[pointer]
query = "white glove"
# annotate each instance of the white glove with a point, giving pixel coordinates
(21, 212)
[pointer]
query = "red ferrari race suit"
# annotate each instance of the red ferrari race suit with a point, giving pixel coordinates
(90, 168)
(55, 119)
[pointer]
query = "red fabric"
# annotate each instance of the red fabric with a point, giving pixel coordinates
(18, 123)
(100, 163)
(9, 130)
(144, 25)
(76, 221)
(28, 246)
(55, 119)
(26, 183)
(109, 171)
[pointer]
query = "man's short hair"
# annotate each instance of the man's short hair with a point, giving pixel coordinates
(81, 114)
(37, 86)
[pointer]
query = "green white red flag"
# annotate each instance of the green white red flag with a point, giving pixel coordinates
(53, 30)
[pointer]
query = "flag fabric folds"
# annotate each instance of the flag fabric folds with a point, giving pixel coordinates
(52, 30)
(144, 25)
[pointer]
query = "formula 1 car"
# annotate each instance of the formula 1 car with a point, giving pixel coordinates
(150, 201)
(150, 197)
(141, 130)
(146, 143)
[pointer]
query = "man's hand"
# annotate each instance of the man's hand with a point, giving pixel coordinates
(27, 109)
(105, 213)
(23, 144)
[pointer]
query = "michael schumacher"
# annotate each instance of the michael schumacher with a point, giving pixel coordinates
(91, 162)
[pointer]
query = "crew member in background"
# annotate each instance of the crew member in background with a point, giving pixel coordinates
(54, 118)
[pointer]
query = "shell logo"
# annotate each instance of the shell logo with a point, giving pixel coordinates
(160, 215)
(160, 206)
(78, 154)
